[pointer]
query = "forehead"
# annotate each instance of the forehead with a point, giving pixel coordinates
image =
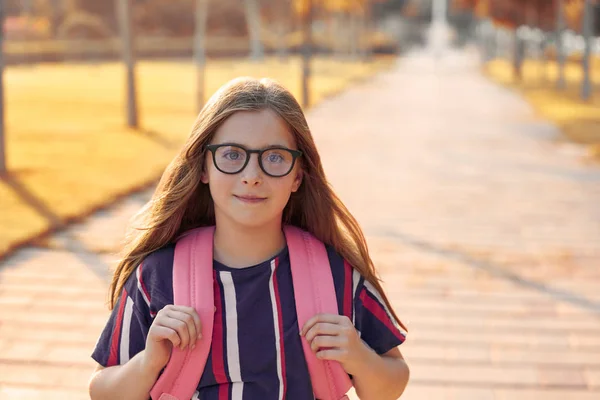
(255, 129)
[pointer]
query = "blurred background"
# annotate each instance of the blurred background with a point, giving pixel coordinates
(491, 105)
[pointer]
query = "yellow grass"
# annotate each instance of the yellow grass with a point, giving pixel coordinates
(579, 120)
(68, 149)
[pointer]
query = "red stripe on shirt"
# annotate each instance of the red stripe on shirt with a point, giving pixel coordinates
(115, 341)
(347, 290)
(218, 355)
(280, 323)
(379, 312)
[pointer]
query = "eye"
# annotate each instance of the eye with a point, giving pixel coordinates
(275, 158)
(233, 155)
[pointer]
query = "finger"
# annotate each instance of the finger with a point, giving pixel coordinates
(322, 328)
(166, 333)
(330, 318)
(331, 354)
(180, 327)
(189, 321)
(191, 311)
(325, 342)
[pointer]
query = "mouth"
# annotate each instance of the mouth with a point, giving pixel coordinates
(250, 199)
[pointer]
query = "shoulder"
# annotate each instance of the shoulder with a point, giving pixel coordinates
(346, 281)
(159, 261)
(342, 270)
(154, 278)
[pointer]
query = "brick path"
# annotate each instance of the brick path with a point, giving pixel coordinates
(485, 226)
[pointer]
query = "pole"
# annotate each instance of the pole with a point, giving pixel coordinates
(307, 53)
(368, 25)
(560, 44)
(2, 138)
(200, 51)
(588, 27)
(125, 24)
(439, 25)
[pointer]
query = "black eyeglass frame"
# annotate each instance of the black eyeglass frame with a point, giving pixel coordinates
(214, 147)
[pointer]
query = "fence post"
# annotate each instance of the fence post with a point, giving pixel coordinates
(307, 53)
(125, 25)
(2, 133)
(200, 51)
(588, 27)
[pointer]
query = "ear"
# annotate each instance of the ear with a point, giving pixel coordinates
(297, 181)
(204, 176)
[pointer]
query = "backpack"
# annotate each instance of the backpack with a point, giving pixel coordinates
(193, 286)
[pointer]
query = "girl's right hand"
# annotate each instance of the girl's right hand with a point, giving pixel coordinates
(173, 326)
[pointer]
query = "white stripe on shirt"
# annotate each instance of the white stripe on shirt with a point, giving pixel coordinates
(233, 350)
(138, 274)
(355, 281)
(276, 327)
(125, 331)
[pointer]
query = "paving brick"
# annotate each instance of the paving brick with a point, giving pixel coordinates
(29, 393)
(21, 350)
(502, 354)
(479, 375)
(562, 377)
(545, 394)
(417, 391)
(592, 377)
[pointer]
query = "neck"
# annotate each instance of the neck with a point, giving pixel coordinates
(239, 247)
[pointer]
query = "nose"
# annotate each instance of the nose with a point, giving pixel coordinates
(252, 174)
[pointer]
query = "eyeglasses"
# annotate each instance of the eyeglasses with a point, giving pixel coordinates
(275, 161)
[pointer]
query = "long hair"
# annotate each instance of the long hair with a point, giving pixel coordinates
(182, 202)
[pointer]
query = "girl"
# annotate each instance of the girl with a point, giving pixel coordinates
(249, 166)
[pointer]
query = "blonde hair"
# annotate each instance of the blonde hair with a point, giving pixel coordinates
(182, 202)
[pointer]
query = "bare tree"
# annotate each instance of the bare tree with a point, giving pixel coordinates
(125, 27)
(200, 50)
(588, 35)
(283, 8)
(560, 44)
(2, 141)
(254, 28)
(307, 52)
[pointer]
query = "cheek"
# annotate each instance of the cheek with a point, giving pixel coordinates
(283, 188)
(220, 184)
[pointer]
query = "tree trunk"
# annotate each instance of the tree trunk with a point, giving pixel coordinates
(560, 45)
(588, 34)
(254, 29)
(125, 24)
(2, 139)
(307, 53)
(282, 13)
(518, 55)
(200, 50)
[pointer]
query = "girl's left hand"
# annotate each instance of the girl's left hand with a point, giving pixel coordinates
(334, 337)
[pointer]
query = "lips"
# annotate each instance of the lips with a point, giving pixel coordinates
(250, 198)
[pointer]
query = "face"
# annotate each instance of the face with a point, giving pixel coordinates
(251, 198)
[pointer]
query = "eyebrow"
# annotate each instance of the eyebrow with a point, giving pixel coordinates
(270, 146)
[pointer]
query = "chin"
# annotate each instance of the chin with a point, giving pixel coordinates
(254, 221)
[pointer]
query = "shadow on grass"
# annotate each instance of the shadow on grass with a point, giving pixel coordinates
(160, 139)
(55, 222)
(32, 201)
(583, 130)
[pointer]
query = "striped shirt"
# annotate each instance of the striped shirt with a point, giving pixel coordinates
(256, 351)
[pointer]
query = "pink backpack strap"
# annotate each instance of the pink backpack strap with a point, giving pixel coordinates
(192, 286)
(315, 293)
